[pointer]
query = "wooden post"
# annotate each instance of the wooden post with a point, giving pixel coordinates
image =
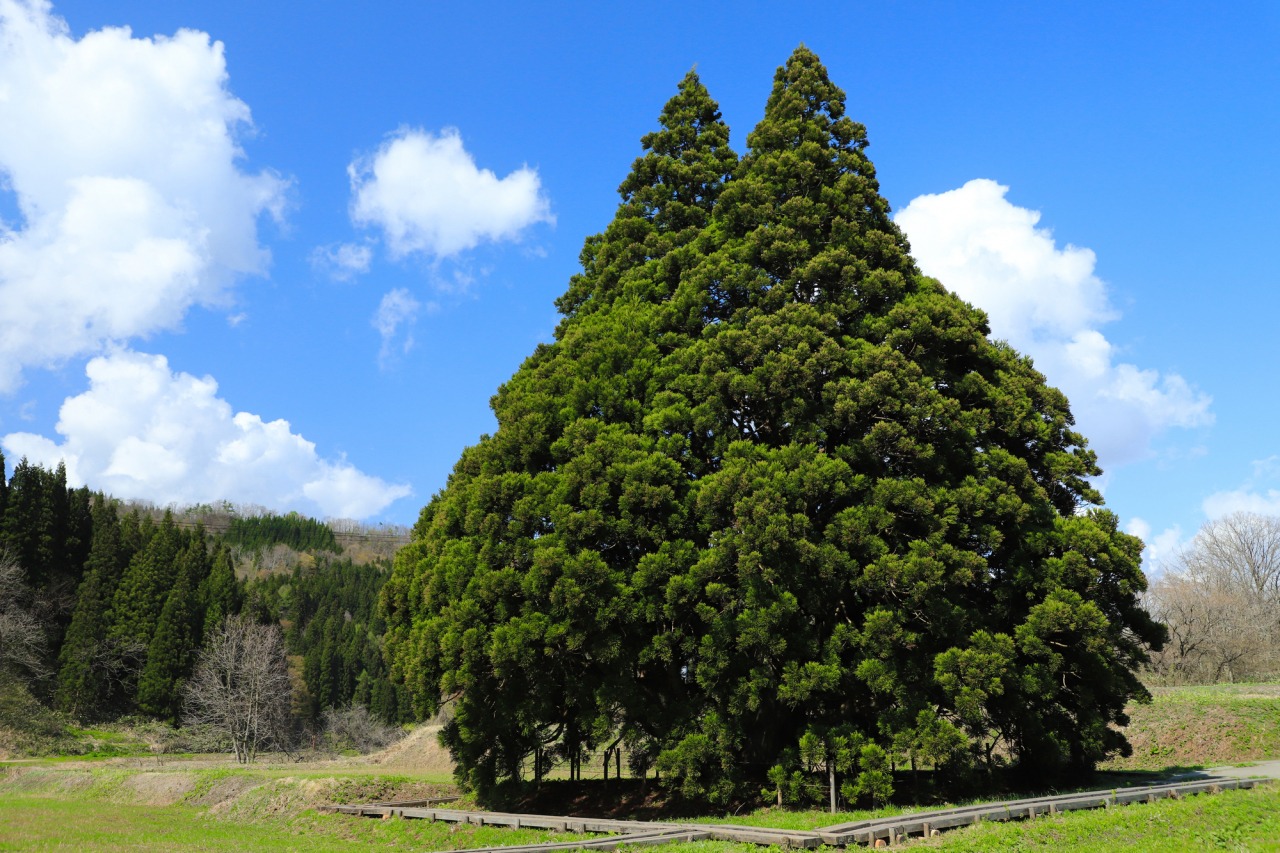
(607, 756)
(831, 780)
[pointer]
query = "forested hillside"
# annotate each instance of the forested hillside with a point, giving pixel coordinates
(105, 608)
(332, 620)
(296, 531)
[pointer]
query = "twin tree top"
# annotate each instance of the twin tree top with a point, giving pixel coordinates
(770, 488)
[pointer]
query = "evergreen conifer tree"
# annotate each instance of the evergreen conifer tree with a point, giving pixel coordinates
(558, 544)
(146, 583)
(172, 651)
(771, 486)
(220, 594)
(83, 665)
(4, 493)
(79, 539)
(20, 529)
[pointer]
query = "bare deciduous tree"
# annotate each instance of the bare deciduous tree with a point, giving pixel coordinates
(22, 639)
(241, 686)
(277, 558)
(1220, 599)
(1240, 551)
(353, 727)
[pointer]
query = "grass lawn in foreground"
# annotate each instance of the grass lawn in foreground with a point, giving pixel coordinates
(1235, 820)
(30, 822)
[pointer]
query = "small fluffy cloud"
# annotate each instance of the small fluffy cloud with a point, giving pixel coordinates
(1258, 494)
(1048, 303)
(121, 157)
(427, 195)
(144, 431)
(344, 261)
(398, 308)
(1161, 548)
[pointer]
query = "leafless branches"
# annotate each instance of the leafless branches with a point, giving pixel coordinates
(241, 685)
(353, 727)
(22, 639)
(1220, 599)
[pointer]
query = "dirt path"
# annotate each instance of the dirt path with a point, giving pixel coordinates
(1268, 769)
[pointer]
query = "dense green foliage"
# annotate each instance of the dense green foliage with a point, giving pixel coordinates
(334, 626)
(298, 532)
(149, 594)
(119, 606)
(47, 528)
(771, 499)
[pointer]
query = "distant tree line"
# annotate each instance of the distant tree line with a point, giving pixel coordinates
(107, 610)
(298, 532)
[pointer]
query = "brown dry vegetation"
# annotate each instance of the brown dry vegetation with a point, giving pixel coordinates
(419, 752)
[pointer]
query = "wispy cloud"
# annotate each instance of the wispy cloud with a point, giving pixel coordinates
(1259, 493)
(397, 309)
(1161, 548)
(343, 261)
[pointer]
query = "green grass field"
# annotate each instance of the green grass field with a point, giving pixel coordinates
(32, 822)
(97, 820)
(182, 804)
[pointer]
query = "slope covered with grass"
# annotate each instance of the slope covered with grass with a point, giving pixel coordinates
(1203, 726)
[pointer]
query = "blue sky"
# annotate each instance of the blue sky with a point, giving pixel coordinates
(285, 258)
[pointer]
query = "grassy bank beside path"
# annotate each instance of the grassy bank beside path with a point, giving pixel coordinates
(1233, 820)
(1203, 726)
(59, 807)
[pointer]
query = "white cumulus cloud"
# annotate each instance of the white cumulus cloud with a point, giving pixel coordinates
(144, 431)
(1048, 303)
(427, 195)
(121, 156)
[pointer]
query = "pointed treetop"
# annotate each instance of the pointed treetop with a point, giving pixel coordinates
(678, 181)
(666, 198)
(805, 121)
(803, 104)
(806, 201)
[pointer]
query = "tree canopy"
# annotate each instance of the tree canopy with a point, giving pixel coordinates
(771, 498)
